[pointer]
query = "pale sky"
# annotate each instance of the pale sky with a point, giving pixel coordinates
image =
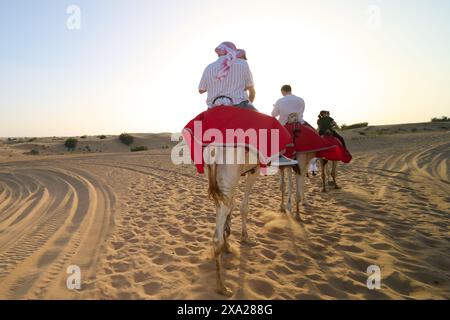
(135, 65)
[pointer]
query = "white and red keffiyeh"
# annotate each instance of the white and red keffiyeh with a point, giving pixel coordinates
(229, 50)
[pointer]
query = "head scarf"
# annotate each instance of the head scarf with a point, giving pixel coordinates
(229, 50)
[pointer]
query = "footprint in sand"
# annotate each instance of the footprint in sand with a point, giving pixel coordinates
(120, 282)
(152, 288)
(261, 288)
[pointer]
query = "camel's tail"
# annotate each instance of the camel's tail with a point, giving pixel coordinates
(214, 191)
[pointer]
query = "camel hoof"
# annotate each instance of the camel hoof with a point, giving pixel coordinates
(283, 210)
(337, 187)
(225, 292)
(228, 249)
(298, 218)
(248, 241)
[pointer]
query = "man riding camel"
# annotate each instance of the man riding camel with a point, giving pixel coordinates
(284, 107)
(287, 105)
(228, 81)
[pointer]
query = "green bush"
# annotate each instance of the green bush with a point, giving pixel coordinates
(71, 144)
(126, 139)
(83, 137)
(441, 119)
(102, 137)
(355, 126)
(137, 149)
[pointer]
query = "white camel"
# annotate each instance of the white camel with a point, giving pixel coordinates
(300, 171)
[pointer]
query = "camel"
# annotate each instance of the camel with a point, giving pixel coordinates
(300, 170)
(223, 180)
(327, 173)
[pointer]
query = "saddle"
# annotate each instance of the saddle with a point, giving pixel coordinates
(293, 120)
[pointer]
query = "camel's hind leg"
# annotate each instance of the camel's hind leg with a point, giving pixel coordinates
(227, 177)
(251, 179)
(219, 243)
(334, 174)
(227, 229)
(283, 190)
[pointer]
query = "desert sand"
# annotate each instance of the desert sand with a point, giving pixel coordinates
(140, 227)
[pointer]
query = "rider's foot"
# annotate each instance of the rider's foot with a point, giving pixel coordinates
(284, 161)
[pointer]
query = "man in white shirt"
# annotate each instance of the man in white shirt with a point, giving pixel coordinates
(228, 81)
(283, 108)
(287, 105)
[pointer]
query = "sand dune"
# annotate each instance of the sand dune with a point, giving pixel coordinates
(141, 228)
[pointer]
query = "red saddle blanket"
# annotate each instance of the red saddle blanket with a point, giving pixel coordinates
(306, 139)
(233, 126)
(339, 153)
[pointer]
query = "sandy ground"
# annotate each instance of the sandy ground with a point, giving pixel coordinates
(140, 227)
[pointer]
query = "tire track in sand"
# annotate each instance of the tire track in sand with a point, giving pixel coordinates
(53, 218)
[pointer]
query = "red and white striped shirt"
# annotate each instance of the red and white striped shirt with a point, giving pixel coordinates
(233, 85)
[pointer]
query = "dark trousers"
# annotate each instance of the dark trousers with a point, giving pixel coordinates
(337, 135)
(246, 105)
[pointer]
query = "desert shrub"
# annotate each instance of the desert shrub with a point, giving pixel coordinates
(414, 129)
(137, 149)
(83, 137)
(71, 144)
(126, 139)
(34, 152)
(87, 148)
(441, 119)
(102, 137)
(355, 126)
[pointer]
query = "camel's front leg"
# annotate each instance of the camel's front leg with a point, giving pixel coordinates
(303, 161)
(219, 243)
(323, 163)
(289, 201)
(251, 179)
